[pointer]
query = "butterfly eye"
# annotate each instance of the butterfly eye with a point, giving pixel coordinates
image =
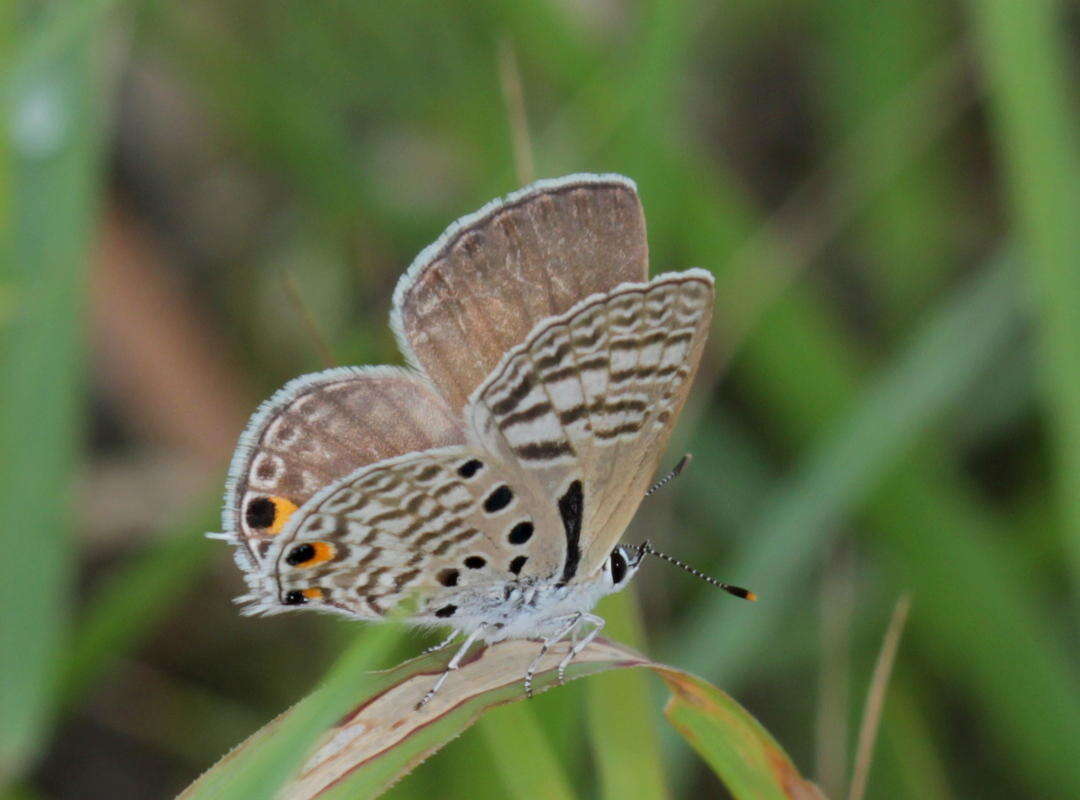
(618, 566)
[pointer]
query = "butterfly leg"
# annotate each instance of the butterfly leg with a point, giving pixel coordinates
(437, 647)
(598, 625)
(571, 623)
(452, 665)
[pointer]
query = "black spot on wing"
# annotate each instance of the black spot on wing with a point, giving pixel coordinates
(294, 598)
(260, 513)
(572, 511)
(498, 499)
(470, 468)
(520, 533)
(300, 554)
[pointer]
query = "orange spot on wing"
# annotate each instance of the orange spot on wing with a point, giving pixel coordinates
(283, 509)
(313, 594)
(324, 551)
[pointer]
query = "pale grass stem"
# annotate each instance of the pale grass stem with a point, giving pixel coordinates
(514, 97)
(831, 724)
(875, 698)
(303, 313)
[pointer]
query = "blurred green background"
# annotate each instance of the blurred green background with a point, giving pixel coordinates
(888, 195)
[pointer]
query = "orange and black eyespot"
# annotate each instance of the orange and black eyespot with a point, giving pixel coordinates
(308, 554)
(268, 514)
(297, 597)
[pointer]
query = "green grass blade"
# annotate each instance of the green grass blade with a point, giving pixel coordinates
(522, 755)
(741, 753)
(1024, 48)
(136, 597)
(621, 717)
(53, 140)
(910, 760)
(65, 26)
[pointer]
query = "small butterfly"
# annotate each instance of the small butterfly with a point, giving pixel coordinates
(490, 482)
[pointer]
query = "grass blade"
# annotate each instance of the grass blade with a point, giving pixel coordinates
(621, 718)
(741, 753)
(1027, 66)
(379, 739)
(522, 756)
(875, 699)
(135, 599)
(53, 133)
(380, 736)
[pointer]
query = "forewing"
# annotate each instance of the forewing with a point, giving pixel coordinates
(318, 429)
(493, 275)
(432, 525)
(592, 396)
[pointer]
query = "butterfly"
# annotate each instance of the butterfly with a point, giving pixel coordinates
(489, 482)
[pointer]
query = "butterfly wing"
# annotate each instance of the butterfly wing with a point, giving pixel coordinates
(433, 524)
(586, 404)
(316, 430)
(493, 275)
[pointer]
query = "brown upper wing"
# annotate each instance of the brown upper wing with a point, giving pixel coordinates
(493, 275)
(320, 428)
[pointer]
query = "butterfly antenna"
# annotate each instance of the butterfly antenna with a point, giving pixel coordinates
(660, 484)
(738, 591)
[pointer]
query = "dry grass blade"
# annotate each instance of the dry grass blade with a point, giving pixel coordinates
(390, 718)
(380, 736)
(875, 698)
(292, 291)
(831, 729)
(514, 97)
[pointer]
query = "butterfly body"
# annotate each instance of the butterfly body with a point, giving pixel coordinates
(486, 487)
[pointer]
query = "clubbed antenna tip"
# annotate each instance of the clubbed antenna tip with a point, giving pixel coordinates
(738, 591)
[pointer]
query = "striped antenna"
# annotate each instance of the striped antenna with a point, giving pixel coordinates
(660, 484)
(647, 549)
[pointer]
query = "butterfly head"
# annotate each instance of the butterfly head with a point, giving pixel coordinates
(621, 566)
